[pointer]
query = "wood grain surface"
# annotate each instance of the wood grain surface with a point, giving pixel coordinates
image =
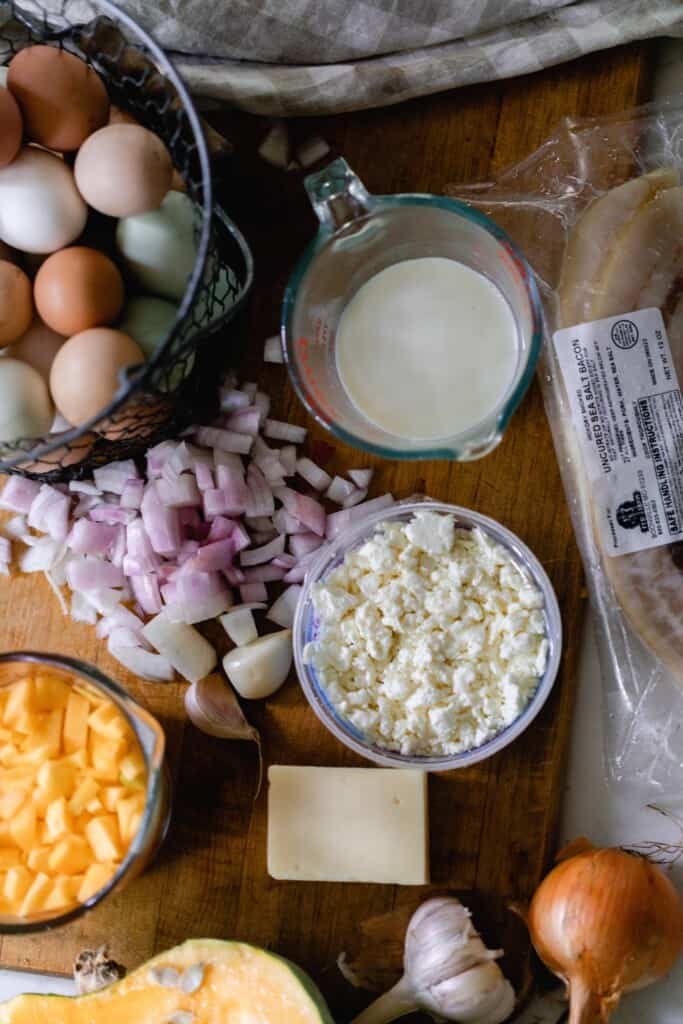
(492, 826)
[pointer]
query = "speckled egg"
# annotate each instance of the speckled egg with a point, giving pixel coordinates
(148, 320)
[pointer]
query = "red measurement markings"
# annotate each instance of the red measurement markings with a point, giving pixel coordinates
(316, 396)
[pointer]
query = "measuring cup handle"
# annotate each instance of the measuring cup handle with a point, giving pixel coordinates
(337, 195)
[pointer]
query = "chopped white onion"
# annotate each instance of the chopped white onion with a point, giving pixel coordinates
(339, 489)
(239, 623)
(313, 475)
(182, 646)
(280, 431)
(275, 147)
(361, 477)
(282, 612)
(144, 663)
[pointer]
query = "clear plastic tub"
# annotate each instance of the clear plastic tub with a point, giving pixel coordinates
(305, 630)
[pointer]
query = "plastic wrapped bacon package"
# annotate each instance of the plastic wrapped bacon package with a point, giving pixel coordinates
(598, 212)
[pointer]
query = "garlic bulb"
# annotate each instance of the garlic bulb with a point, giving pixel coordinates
(448, 971)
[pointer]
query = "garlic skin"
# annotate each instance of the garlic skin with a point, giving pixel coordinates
(448, 971)
(260, 668)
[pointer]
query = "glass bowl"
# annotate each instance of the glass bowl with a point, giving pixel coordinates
(305, 630)
(157, 812)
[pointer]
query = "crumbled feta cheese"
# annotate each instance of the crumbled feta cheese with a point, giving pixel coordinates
(431, 639)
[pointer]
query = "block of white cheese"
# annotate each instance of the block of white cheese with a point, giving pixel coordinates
(348, 825)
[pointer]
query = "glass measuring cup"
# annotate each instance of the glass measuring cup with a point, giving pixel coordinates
(360, 235)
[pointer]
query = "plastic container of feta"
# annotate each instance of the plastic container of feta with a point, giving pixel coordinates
(306, 626)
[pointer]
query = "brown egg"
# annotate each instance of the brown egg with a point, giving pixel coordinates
(77, 288)
(11, 127)
(142, 416)
(62, 99)
(37, 347)
(85, 374)
(123, 169)
(16, 303)
(118, 116)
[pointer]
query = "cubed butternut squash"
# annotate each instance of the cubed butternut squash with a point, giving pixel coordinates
(103, 835)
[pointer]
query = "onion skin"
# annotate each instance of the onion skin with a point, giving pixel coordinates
(606, 922)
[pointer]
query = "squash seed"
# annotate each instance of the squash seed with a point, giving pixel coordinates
(192, 978)
(167, 977)
(181, 1017)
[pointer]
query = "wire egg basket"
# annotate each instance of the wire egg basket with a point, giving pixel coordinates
(179, 383)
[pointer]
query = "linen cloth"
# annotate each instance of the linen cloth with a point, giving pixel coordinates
(284, 57)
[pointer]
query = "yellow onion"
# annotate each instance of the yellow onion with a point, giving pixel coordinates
(605, 921)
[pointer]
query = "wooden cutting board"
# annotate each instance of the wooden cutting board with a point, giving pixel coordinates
(492, 826)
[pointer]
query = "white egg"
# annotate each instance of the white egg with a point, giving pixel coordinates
(4, 72)
(148, 320)
(25, 407)
(40, 207)
(159, 247)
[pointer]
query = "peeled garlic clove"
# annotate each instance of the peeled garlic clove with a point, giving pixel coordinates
(260, 668)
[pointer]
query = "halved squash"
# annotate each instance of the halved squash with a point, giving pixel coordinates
(239, 984)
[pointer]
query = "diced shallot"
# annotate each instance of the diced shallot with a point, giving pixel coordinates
(275, 147)
(16, 528)
(81, 610)
(282, 612)
(18, 494)
(357, 495)
(111, 514)
(285, 522)
(88, 538)
(246, 421)
(87, 573)
(49, 513)
(232, 400)
(41, 556)
(182, 492)
(161, 523)
(313, 475)
(280, 431)
(285, 561)
(201, 596)
(131, 495)
(214, 557)
(5, 554)
(361, 477)
(140, 550)
(307, 510)
(146, 592)
(288, 459)
(113, 477)
(117, 618)
(204, 476)
(302, 544)
(84, 487)
(272, 350)
(339, 521)
(339, 489)
(260, 501)
(257, 556)
(225, 440)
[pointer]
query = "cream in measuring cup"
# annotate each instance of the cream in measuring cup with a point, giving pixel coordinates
(427, 348)
(411, 324)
